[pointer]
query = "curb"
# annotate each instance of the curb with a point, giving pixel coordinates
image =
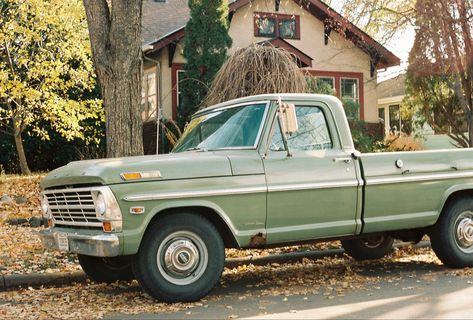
(62, 278)
(39, 279)
(297, 256)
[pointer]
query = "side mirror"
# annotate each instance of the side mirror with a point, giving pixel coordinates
(288, 118)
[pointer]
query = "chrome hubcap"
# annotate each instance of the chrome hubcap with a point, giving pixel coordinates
(374, 242)
(464, 231)
(182, 257)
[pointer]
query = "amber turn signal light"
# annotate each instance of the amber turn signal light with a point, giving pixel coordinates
(107, 226)
(137, 210)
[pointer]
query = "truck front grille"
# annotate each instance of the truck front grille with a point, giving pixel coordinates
(73, 208)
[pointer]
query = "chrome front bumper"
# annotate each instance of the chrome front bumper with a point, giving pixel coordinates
(100, 245)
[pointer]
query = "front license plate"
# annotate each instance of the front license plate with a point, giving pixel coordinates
(62, 241)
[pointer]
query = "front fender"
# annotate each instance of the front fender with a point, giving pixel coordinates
(134, 236)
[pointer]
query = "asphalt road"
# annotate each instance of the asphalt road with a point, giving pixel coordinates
(408, 291)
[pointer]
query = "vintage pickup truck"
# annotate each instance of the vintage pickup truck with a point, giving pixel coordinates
(260, 171)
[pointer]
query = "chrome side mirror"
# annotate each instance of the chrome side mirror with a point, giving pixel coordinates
(287, 112)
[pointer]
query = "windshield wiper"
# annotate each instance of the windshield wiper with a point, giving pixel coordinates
(197, 149)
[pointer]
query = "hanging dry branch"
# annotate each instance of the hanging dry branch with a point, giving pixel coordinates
(256, 69)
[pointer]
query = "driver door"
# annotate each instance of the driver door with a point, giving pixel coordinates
(315, 192)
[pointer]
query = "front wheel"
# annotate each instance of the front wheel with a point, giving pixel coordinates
(374, 247)
(452, 235)
(106, 269)
(181, 258)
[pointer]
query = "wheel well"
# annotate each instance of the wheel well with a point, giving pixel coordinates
(455, 196)
(214, 218)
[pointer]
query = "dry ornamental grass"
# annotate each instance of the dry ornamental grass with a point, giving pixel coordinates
(256, 70)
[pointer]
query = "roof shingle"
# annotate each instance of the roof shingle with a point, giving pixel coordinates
(161, 18)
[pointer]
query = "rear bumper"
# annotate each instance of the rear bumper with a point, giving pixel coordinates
(99, 245)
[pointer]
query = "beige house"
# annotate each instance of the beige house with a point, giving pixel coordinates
(324, 44)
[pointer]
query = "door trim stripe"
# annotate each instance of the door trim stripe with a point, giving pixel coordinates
(418, 177)
(311, 186)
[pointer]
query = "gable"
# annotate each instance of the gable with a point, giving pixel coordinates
(333, 23)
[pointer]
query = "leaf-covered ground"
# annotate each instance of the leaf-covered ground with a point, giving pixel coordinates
(21, 250)
(328, 278)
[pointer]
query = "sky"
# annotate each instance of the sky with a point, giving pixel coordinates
(400, 46)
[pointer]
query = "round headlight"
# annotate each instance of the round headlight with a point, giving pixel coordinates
(100, 205)
(44, 206)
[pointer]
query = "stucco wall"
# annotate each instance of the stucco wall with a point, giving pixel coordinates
(340, 55)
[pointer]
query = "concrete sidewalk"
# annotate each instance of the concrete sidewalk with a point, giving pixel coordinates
(62, 278)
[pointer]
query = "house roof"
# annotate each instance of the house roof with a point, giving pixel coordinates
(393, 87)
(158, 33)
(162, 18)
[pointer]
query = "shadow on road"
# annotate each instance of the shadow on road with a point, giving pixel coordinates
(334, 288)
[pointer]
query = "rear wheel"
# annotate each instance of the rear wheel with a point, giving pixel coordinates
(452, 235)
(181, 258)
(106, 269)
(374, 247)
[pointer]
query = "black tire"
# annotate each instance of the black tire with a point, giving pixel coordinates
(452, 236)
(374, 247)
(181, 258)
(106, 269)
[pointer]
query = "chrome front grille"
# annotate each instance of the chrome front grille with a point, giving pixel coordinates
(73, 207)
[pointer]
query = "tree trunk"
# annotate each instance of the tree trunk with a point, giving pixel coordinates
(115, 36)
(20, 150)
(124, 124)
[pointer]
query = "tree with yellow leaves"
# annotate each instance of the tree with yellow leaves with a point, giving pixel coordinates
(46, 71)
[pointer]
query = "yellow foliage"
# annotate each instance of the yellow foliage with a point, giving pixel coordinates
(46, 70)
(403, 142)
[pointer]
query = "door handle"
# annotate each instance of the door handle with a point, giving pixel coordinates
(344, 159)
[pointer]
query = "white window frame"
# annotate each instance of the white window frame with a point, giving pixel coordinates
(178, 90)
(145, 98)
(357, 99)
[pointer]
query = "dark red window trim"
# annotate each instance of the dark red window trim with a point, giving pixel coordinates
(174, 68)
(338, 75)
(278, 16)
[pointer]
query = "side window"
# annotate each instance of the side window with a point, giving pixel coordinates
(313, 132)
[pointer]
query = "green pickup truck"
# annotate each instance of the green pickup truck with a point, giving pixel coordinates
(260, 171)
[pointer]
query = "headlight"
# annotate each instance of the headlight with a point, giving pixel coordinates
(45, 206)
(100, 204)
(106, 209)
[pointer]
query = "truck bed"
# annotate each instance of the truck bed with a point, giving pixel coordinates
(408, 189)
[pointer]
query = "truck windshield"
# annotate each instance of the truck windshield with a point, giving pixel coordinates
(233, 127)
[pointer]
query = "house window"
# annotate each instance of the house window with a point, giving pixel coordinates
(149, 96)
(328, 81)
(350, 96)
(394, 119)
(180, 77)
(287, 28)
(381, 115)
(347, 86)
(271, 25)
(349, 90)
(266, 27)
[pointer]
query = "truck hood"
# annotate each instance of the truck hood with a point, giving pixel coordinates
(186, 165)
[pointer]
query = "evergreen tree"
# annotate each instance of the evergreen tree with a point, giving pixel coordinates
(205, 49)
